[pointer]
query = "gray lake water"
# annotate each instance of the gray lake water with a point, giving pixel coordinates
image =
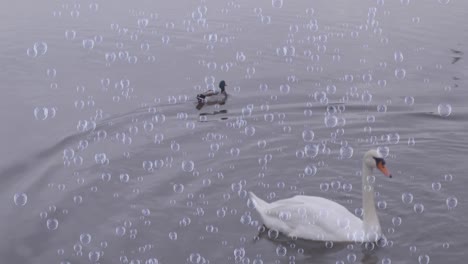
(105, 158)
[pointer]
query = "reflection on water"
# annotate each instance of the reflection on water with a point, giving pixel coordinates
(109, 157)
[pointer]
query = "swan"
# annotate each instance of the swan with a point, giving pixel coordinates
(320, 219)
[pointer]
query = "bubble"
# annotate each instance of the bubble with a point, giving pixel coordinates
(311, 150)
(188, 165)
(284, 88)
(41, 113)
(381, 108)
(448, 177)
(396, 221)
(249, 130)
(308, 135)
(94, 256)
(20, 199)
(173, 235)
(88, 44)
(451, 202)
(85, 238)
(400, 73)
(120, 231)
(277, 3)
(424, 259)
(407, 198)
(330, 121)
(281, 251)
(310, 170)
(324, 186)
(40, 48)
(444, 110)
(398, 56)
(178, 188)
(409, 100)
(52, 224)
(346, 152)
(418, 208)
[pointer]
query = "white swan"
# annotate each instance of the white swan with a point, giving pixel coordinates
(317, 218)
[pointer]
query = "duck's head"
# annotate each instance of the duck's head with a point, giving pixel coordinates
(222, 85)
(374, 159)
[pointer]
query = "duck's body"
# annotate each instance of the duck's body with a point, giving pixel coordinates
(214, 97)
(317, 218)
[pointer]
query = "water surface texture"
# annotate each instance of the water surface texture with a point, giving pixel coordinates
(106, 159)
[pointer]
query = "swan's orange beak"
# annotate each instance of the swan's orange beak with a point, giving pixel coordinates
(384, 169)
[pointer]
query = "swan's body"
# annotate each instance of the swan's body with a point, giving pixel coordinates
(317, 218)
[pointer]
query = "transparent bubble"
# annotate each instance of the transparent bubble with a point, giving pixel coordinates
(41, 113)
(424, 259)
(444, 110)
(381, 108)
(40, 48)
(324, 186)
(88, 44)
(308, 135)
(70, 34)
(400, 73)
(20, 199)
(346, 152)
(85, 238)
(285, 89)
(178, 188)
(407, 198)
(52, 224)
(310, 170)
(396, 221)
(448, 177)
(277, 3)
(398, 56)
(311, 150)
(120, 231)
(366, 97)
(173, 235)
(330, 121)
(188, 165)
(451, 202)
(249, 130)
(94, 256)
(418, 208)
(281, 251)
(409, 100)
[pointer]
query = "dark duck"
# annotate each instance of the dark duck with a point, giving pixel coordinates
(213, 97)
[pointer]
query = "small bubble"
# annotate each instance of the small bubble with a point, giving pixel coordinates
(444, 110)
(407, 198)
(188, 165)
(400, 73)
(409, 100)
(20, 199)
(178, 188)
(423, 259)
(451, 202)
(52, 224)
(418, 208)
(85, 238)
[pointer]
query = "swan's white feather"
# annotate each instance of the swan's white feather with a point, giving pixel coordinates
(310, 217)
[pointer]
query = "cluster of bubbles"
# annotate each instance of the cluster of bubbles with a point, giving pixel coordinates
(38, 49)
(327, 101)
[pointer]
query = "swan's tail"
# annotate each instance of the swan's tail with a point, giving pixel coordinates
(260, 205)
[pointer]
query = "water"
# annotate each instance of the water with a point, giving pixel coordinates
(105, 158)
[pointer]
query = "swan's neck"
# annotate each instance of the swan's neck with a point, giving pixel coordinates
(371, 220)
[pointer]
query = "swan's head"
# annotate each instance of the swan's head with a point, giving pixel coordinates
(373, 159)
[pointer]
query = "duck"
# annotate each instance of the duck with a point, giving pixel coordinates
(319, 219)
(214, 97)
